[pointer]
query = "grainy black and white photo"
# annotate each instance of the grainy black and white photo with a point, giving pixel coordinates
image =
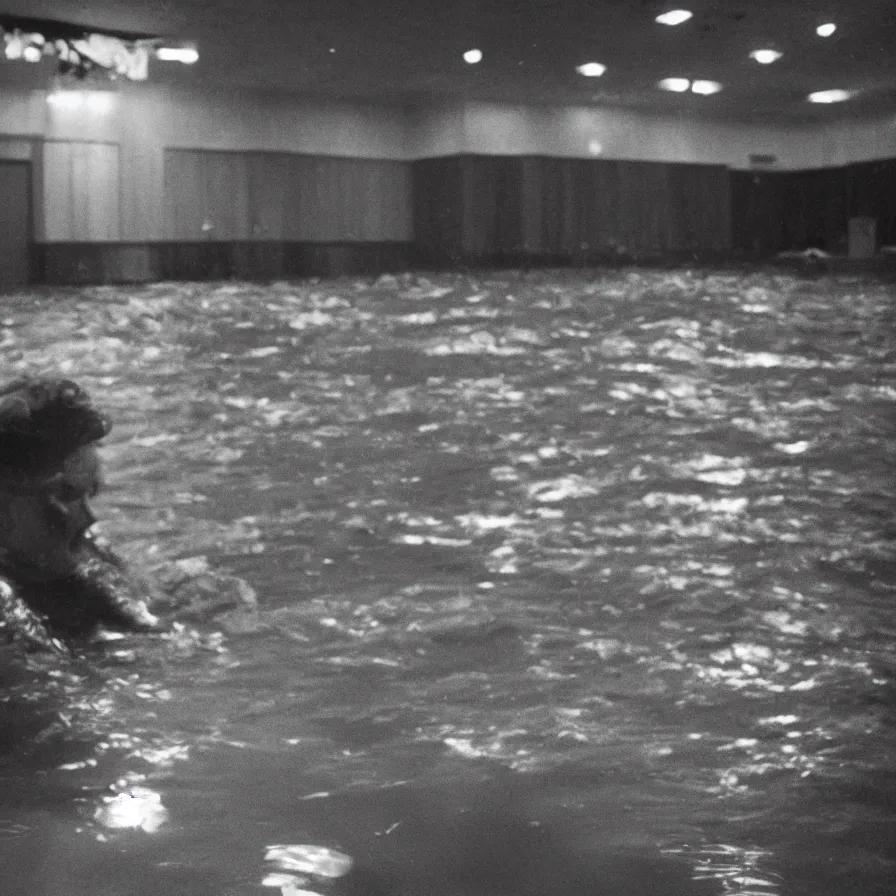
(447, 449)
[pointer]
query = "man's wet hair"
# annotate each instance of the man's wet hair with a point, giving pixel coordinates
(43, 420)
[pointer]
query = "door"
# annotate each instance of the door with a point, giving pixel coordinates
(15, 223)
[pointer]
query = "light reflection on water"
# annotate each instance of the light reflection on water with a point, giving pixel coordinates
(621, 543)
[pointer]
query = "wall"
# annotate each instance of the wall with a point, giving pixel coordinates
(850, 141)
(15, 223)
(805, 200)
(782, 210)
(775, 211)
(283, 196)
(435, 130)
(510, 207)
(16, 149)
(82, 177)
(152, 165)
(871, 192)
(143, 121)
(620, 134)
(577, 132)
(211, 120)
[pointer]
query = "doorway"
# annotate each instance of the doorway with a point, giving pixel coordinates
(15, 223)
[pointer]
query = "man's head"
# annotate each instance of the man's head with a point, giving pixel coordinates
(49, 469)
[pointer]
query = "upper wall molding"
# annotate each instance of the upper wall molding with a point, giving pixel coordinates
(204, 119)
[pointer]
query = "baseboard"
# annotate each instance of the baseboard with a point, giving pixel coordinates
(531, 259)
(101, 263)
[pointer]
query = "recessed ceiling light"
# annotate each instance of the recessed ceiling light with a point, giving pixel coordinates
(674, 17)
(829, 96)
(187, 55)
(826, 30)
(473, 56)
(705, 88)
(676, 85)
(595, 147)
(765, 57)
(591, 69)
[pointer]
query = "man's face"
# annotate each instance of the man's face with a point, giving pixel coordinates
(41, 528)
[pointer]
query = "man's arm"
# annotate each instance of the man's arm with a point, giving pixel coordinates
(20, 624)
(111, 591)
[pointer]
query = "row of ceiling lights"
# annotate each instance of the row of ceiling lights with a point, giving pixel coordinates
(700, 86)
(678, 16)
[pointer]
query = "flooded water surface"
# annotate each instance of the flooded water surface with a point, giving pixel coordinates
(570, 584)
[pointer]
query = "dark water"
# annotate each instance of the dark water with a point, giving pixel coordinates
(568, 584)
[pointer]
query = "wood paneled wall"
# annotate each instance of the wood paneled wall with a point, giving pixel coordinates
(774, 211)
(283, 196)
(483, 206)
(15, 223)
(781, 210)
(871, 192)
(755, 213)
(439, 205)
(80, 191)
(462, 206)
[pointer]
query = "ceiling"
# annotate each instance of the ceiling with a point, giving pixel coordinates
(410, 51)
